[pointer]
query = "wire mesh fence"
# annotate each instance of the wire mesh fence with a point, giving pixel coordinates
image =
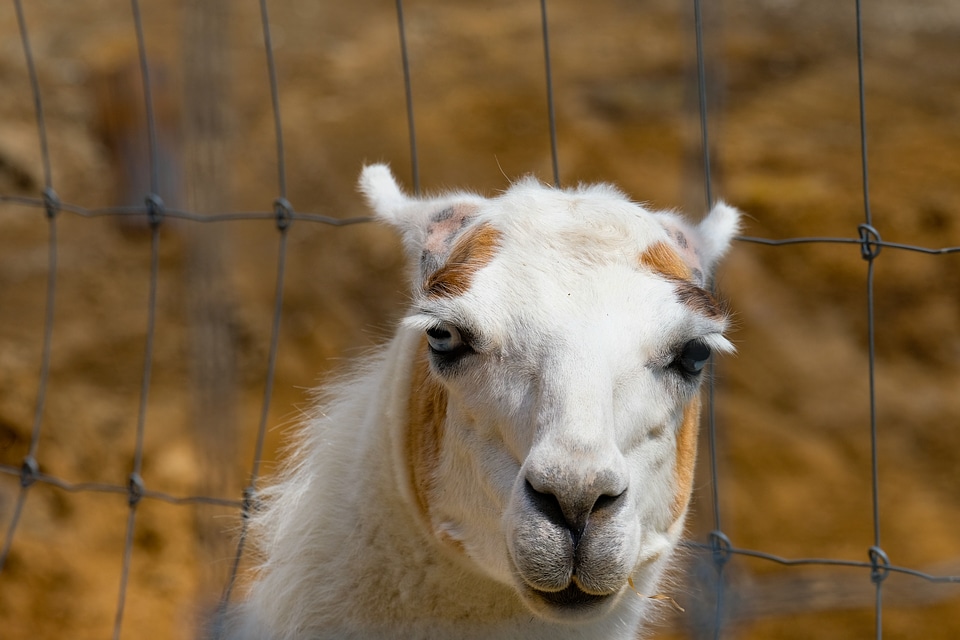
(716, 549)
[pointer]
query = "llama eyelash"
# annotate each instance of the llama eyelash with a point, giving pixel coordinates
(669, 356)
(425, 323)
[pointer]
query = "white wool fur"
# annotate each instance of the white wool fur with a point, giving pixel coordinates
(572, 378)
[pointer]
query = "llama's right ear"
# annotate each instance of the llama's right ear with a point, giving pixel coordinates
(428, 226)
(382, 192)
(393, 206)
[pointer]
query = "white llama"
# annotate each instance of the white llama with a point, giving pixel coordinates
(518, 461)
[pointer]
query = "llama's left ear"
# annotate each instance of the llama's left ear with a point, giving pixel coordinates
(429, 226)
(715, 233)
(702, 246)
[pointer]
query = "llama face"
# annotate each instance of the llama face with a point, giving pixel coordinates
(559, 340)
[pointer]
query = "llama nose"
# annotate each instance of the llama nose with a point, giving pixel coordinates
(574, 501)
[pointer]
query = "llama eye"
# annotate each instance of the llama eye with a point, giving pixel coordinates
(444, 339)
(692, 358)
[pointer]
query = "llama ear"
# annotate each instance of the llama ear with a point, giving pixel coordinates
(428, 226)
(382, 192)
(715, 233)
(702, 246)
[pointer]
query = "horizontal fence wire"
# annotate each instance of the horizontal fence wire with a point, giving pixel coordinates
(135, 212)
(725, 550)
(29, 476)
(719, 546)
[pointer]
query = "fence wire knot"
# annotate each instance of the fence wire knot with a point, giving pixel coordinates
(869, 242)
(154, 209)
(880, 563)
(51, 202)
(135, 489)
(29, 471)
(250, 502)
(283, 211)
(720, 545)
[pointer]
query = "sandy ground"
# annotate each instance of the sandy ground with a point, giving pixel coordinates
(792, 407)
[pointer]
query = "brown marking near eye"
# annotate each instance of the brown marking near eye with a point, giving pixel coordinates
(699, 300)
(472, 251)
(661, 258)
(427, 411)
(686, 457)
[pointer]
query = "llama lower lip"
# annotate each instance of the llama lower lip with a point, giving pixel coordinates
(573, 597)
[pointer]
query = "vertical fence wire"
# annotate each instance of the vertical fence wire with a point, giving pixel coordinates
(862, 105)
(719, 542)
(35, 88)
(551, 105)
(708, 194)
(135, 483)
(154, 206)
(702, 102)
(30, 468)
(408, 93)
(869, 251)
(274, 99)
(283, 214)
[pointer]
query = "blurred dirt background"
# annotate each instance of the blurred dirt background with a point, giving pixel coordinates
(792, 407)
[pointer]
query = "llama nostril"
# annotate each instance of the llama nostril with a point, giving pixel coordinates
(572, 507)
(607, 501)
(547, 504)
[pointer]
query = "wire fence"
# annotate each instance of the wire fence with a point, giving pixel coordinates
(718, 548)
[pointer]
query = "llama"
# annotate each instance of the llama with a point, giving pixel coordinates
(518, 461)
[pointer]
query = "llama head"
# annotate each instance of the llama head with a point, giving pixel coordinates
(560, 338)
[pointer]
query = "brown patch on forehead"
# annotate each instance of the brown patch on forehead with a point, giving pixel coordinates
(661, 258)
(686, 457)
(472, 251)
(427, 411)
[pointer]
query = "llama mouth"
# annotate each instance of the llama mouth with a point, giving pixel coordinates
(572, 597)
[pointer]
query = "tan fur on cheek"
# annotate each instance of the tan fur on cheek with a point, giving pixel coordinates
(427, 412)
(686, 457)
(473, 251)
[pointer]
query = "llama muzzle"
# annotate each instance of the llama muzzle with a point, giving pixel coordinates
(568, 540)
